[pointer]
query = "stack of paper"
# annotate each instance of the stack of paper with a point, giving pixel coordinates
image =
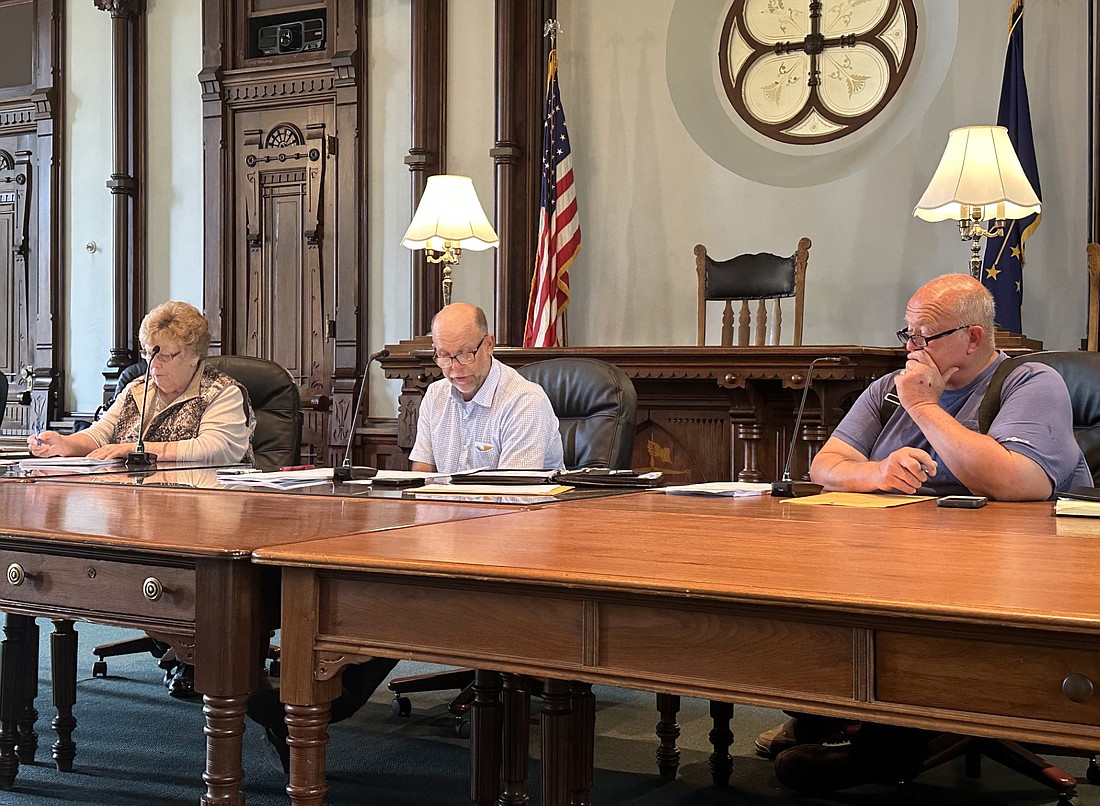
(490, 489)
(77, 464)
(721, 488)
(280, 480)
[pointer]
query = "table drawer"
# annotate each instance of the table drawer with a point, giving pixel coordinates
(1006, 679)
(732, 650)
(102, 586)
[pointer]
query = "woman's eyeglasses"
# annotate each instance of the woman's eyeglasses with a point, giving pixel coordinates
(162, 357)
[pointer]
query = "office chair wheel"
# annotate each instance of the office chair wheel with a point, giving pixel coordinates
(462, 727)
(401, 706)
(1092, 775)
(99, 668)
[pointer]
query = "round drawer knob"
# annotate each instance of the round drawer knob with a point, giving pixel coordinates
(16, 575)
(1077, 687)
(152, 589)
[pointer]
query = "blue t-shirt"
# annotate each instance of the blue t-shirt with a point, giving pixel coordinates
(1035, 420)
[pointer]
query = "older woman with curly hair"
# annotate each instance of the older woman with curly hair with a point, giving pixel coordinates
(193, 412)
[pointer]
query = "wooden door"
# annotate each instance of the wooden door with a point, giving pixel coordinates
(18, 278)
(284, 272)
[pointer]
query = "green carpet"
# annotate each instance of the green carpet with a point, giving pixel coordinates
(137, 746)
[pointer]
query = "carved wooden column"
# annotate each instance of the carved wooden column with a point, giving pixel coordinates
(428, 150)
(128, 84)
(521, 54)
(217, 148)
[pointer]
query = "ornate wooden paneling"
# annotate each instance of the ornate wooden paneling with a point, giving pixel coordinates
(521, 54)
(30, 198)
(285, 176)
(127, 182)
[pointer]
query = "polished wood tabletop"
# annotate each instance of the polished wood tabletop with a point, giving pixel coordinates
(174, 562)
(1005, 561)
(972, 621)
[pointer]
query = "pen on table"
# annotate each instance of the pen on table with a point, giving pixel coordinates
(297, 467)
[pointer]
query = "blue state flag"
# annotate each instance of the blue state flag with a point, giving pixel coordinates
(1002, 268)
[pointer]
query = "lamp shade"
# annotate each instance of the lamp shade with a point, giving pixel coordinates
(449, 213)
(979, 168)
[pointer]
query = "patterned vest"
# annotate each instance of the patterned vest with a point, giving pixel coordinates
(180, 419)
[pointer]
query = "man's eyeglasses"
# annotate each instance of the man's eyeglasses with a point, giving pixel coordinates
(465, 358)
(162, 357)
(920, 342)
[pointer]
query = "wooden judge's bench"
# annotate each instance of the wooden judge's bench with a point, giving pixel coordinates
(704, 413)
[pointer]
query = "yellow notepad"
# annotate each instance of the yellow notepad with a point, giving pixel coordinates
(864, 500)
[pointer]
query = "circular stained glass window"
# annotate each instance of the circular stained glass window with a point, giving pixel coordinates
(804, 71)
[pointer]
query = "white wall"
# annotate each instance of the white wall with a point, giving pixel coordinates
(648, 192)
(388, 208)
(88, 205)
(173, 187)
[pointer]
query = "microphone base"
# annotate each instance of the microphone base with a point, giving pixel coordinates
(350, 473)
(795, 489)
(140, 459)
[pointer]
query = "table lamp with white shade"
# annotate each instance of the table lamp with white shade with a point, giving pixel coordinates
(979, 178)
(449, 219)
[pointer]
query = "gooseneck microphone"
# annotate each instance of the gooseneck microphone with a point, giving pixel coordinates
(785, 488)
(347, 472)
(141, 457)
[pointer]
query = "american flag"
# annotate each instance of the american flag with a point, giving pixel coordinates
(559, 228)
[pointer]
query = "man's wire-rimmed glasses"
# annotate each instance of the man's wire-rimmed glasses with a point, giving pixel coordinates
(465, 358)
(919, 341)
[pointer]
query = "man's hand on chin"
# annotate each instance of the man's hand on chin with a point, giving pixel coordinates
(921, 382)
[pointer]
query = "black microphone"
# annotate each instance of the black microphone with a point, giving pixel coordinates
(346, 472)
(142, 457)
(785, 488)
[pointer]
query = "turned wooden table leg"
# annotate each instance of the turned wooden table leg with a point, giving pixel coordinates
(556, 750)
(517, 711)
(63, 646)
(721, 737)
(13, 687)
(27, 746)
(307, 726)
(486, 723)
(668, 731)
(584, 736)
(224, 731)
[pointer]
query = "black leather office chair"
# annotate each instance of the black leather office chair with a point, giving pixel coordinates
(276, 442)
(1081, 372)
(760, 277)
(276, 403)
(596, 404)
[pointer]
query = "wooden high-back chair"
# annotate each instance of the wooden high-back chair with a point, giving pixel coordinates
(761, 277)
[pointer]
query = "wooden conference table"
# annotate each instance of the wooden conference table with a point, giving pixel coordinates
(983, 622)
(174, 562)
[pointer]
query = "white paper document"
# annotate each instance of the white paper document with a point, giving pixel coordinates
(722, 488)
(69, 461)
(282, 479)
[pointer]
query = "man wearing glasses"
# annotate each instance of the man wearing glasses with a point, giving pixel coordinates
(913, 431)
(481, 414)
(930, 442)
